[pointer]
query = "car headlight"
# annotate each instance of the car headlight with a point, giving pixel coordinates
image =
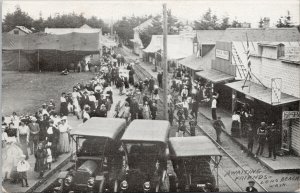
(91, 182)
(68, 180)
(124, 185)
(146, 186)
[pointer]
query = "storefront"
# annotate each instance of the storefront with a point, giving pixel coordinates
(217, 80)
(283, 112)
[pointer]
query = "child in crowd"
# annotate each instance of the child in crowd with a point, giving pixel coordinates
(22, 168)
(49, 155)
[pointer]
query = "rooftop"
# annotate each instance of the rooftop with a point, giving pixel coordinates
(24, 29)
(147, 131)
(100, 127)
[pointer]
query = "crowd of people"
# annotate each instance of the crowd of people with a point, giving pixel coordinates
(46, 133)
(186, 96)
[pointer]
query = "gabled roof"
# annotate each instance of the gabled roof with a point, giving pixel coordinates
(209, 36)
(147, 131)
(85, 26)
(144, 25)
(101, 127)
(24, 29)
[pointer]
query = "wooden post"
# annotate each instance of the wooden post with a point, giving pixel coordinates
(165, 75)
(19, 64)
(38, 67)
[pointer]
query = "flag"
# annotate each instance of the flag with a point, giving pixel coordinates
(248, 54)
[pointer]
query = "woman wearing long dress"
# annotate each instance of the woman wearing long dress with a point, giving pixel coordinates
(63, 105)
(23, 137)
(75, 98)
(146, 111)
(64, 143)
(86, 67)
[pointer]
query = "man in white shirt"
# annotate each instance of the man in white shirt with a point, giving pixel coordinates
(214, 107)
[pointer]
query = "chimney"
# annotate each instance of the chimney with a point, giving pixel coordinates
(266, 23)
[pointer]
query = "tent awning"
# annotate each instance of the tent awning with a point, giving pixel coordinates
(215, 76)
(260, 93)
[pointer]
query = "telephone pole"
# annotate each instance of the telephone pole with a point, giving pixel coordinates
(165, 61)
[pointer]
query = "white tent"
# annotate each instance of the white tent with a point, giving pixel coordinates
(178, 46)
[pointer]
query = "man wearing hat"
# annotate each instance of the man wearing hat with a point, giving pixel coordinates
(251, 188)
(262, 134)
(34, 135)
(134, 108)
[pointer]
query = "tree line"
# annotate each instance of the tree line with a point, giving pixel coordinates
(124, 27)
(72, 20)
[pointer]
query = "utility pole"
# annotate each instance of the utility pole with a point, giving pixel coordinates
(165, 61)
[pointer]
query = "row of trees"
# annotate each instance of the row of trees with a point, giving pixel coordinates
(124, 27)
(21, 18)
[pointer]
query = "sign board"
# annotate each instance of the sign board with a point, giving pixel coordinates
(285, 135)
(276, 90)
(290, 115)
(223, 54)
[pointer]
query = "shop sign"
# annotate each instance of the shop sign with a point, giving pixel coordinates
(223, 54)
(276, 84)
(290, 115)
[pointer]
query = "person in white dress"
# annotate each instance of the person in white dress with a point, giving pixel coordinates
(76, 107)
(146, 111)
(64, 142)
(49, 155)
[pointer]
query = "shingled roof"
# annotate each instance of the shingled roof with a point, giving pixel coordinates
(254, 35)
(262, 34)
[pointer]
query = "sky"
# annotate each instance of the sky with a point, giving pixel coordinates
(242, 10)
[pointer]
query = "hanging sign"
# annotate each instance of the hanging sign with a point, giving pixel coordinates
(276, 90)
(290, 115)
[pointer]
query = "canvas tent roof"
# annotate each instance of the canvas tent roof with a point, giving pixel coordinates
(106, 41)
(66, 42)
(47, 52)
(178, 46)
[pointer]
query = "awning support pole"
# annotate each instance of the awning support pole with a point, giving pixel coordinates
(38, 67)
(56, 65)
(19, 60)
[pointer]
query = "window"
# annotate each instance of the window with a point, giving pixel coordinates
(16, 32)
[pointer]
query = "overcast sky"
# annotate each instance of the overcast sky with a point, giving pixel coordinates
(242, 10)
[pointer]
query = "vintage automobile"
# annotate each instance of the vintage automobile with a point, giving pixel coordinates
(98, 158)
(192, 158)
(145, 145)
